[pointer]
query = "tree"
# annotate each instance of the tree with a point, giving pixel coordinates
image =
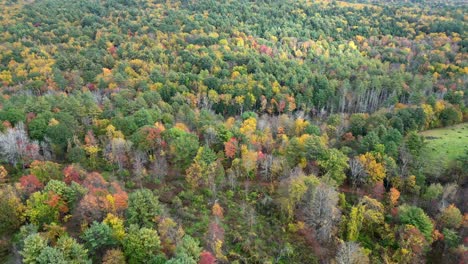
(231, 148)
(98, 238)
(207, 258)
(451, 217)
(183, 146)
(102, 198)
(46, 170)
(141, 244)
(358, 173)
(15, 146)
(450, 116)
(117, 226)
(30, 184)
(451, 237)
(42, 208)
(3, 175)
(334, 162)
(118, 150)
(73, 173)
(11, 210)
(321, 211)
(351, 253)
(143, 207)
(170, 234)
(72, 251)
(374, 169)
(188, 249)
(356, 217)
(413, 245)
(415, 216)
(433, 192)
(393, 196)
(50, 255)
(33, 246)
(194, 174)
(114, 256)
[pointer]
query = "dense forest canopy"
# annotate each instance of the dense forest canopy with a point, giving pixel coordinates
(272, 131)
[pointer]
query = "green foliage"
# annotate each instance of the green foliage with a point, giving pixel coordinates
(356, 218)
(72, 251)
(415, 216)
(188, 248)
(433, 192)
(183, 147)
(39, 211)
(98, 237)
(69, 193)
(33, 246)
(334, 163)
(50, 255)
(451, 217)
(143, 207)
(451, 238)
(141, 244)
(169, 91)
(11, 210)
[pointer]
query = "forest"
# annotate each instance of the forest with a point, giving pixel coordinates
(203, 132)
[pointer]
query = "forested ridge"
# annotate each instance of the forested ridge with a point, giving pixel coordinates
(272, 131)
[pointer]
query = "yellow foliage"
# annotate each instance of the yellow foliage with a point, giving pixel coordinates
(91, 150)
(374, 169)
(248, 126)
(5, 77)
(439, 106)
(111, 132)
(117, 226)
(53, 122)
(182, 127)
(429, 113)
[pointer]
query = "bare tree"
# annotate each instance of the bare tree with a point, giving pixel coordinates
(265, 167)
(159, 167)
(16, 146)
(139, 161)
(351, 253)
(358, 173)
(448, 195)
(321, 211)
(117, 151)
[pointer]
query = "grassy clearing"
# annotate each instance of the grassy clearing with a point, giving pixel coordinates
(446, 144)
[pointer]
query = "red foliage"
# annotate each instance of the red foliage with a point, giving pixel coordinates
(281, 106)
(6, 124)
(94, 181)
(120, 198)
(266, 50)
(72, 174)
(154, 137)
(215, 231)
(260, 155)
(90, 140)
(230, 148)
(102, 198)
(207, 258)
(348, 137)
(54, 200)
(112, 50)
(30, 116)
(30, 183)
(378, 191)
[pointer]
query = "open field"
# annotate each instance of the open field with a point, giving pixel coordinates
(446, 144)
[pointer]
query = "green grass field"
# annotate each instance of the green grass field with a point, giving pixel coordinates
(446, 144)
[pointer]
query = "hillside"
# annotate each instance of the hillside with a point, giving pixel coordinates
(200, 131)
